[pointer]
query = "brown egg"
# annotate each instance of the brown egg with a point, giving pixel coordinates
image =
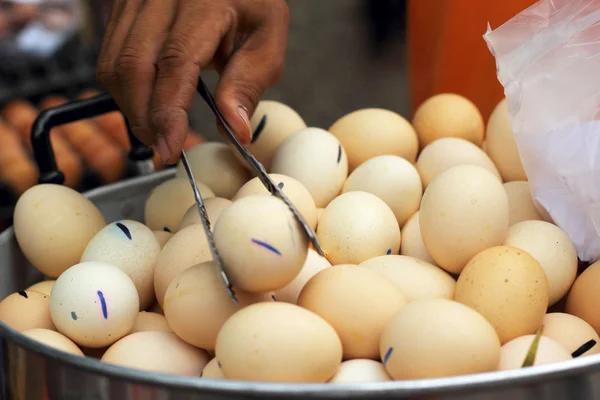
(583, 300)
(214, 206)
(520, 203)
(501, 145)
(354, 371)
(44, 287)
(212, 370)
(168, 202)
(552, 248)
(280, 122)
(391, 178)
(278, 342)
(186, 248)
(572, 332)
(373, 132)
(215, 164)
(448, 152)
(464, 211)
(416, 279)
(162, 237)
(438, 338)
(53, 225)
(412, 242)
(508, 287)
(53, 339)
(357, 302)
(26, 310)
(150, 321)
(157, 351)
(513, 353)
(313, 264)
(296, 192)
(448, 115)
(357, 226)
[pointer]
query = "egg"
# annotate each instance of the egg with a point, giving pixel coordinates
(162, 237)
(280, 121)
(261, 244)
(416, 279)
(94, 304)
(521, 206)
(53, 224)
(296, 192)
(186, 248)
(448, 115)
(513, 353)
(357, 226)
(448, 152)
(357, 302)
(313, 264)
(44, 287)
(157, 351)
(316, 159)
(150, 321)
(508, 287)
(391, 178)
(215, 164)
(360, 371)
(573, 333)
(436, 338)
(213, 206)
(464, 211)
(412, 242)
(583, 300)
(131, 246)
(26, 310)
(373, 132)
(53, 339)
(168, 202)
(552, 248)
(501, 144)
(278, 342)
(212, 370)
(200, 291)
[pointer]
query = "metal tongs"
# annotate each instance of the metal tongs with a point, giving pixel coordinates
(262, 175)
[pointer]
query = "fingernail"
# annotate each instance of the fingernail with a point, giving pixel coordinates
(243, 113)
(162, 148)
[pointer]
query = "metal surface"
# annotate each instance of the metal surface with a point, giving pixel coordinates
(206, 225)
(32, 371)
(257, 167)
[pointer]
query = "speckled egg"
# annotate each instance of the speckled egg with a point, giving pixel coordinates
(185, 249)
(215, 164)
(373, 132)
(261, 244)
(357, 226)
(131, 246)
(315, 158)
(94, 304)
(168, 202)
(464, 211)
(392, 179)
(53, 225)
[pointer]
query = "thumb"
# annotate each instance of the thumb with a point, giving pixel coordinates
(249, 73)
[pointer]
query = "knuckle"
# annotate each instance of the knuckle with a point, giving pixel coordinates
(175, 53)
(105, 74)
(249, 91)
(129, 62)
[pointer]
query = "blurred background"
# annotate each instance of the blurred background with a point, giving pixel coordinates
(343, 55)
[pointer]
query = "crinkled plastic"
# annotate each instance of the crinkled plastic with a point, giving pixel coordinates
(548, 60)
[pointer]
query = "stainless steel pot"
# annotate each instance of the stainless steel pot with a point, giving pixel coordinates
(33, 371)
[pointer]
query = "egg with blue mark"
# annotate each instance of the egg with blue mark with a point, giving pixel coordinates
(131, 246)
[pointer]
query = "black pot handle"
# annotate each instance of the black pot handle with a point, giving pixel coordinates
(67, 113)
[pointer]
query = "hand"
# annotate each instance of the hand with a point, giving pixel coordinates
(153, 52)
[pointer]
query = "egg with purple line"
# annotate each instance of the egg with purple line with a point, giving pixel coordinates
(94, 304)
(261, 244)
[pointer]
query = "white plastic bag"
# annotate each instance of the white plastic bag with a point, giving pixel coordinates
(548, 60)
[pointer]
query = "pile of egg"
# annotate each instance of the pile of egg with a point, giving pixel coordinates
(437, 260)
